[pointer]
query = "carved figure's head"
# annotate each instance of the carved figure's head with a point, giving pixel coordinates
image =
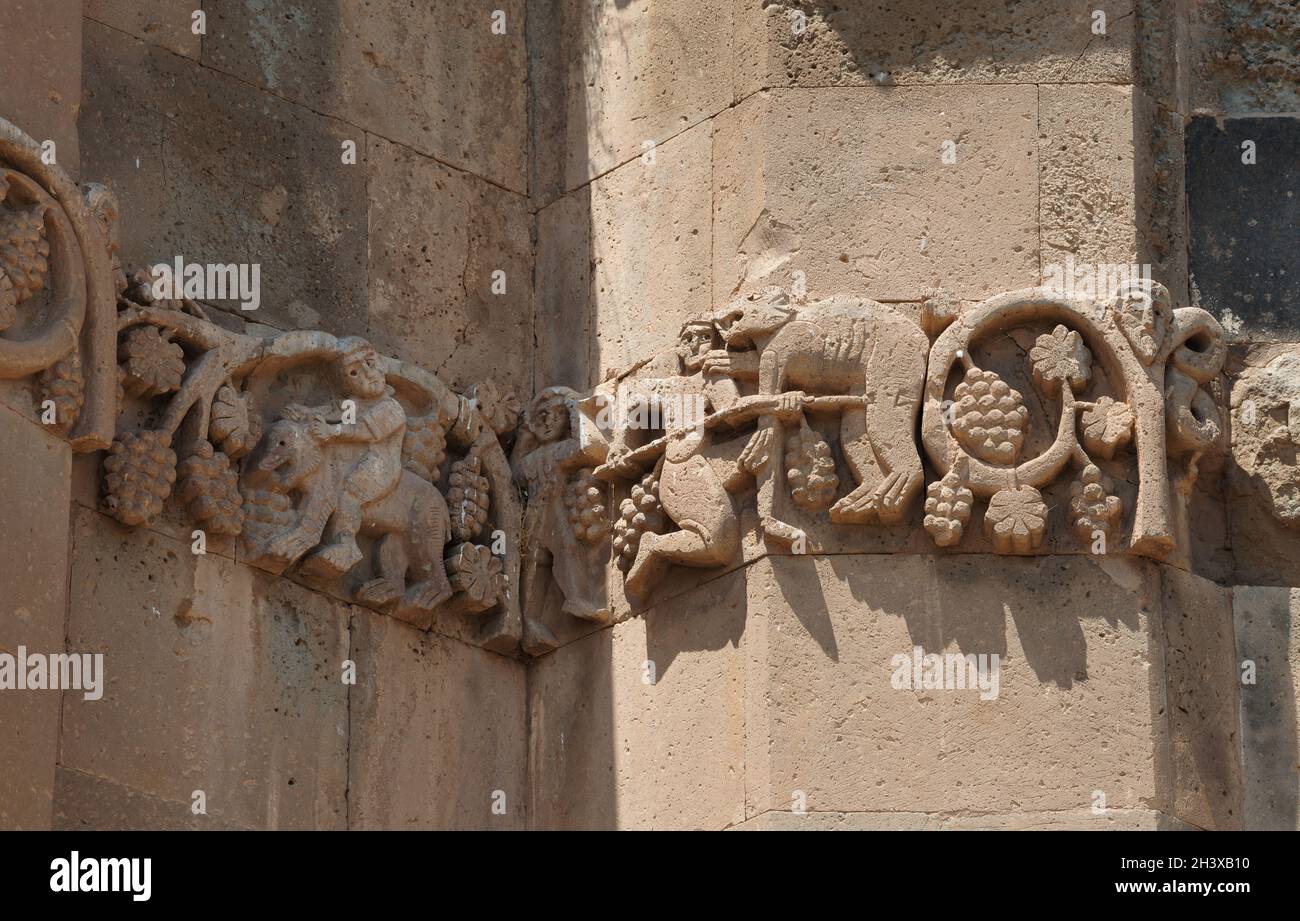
(548, 415)
(746, 320)
(360, 372)
(696, 339)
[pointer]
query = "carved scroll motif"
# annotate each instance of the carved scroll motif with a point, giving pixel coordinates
(58, 282)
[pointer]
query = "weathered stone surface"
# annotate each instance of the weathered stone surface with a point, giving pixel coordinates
(648, 239)
(432, 76)
(1080, 704)
(615, 77)
(83, 802)
(1202, 689)
(641, 725)
(1084, 820)
(254, 179)
(217, 679)
(1267, 642)
(438, 732)
(912, 41)
(1086, 164)
(436, 238)
(168, 23)
(40, 75)
(1242, 56)
(34, 474)
(850, 188)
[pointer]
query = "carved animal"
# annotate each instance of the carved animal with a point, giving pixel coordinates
(841, 345)
(410, 523)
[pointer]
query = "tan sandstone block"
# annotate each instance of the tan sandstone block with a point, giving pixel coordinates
(83, 802)
(217, 678)
(436, 236)
(40, 73)
(609, 749)
(618, 75)
(438, 732)
(168, 23)
(850, 187)
(34, 492)
(1201, 676)
(433, 76)
(648, 259)
(1265, 620)
(1086, 159)
(1079, 699)
(217, 171)
(917, 41)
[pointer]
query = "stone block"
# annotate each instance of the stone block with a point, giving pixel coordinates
(83, 802)
(217, 678)
(1268, 642)
(912, 41)
(168, 23)
(434, 77)
(438, 732)
(641, 725)
(1242, 57)
(217, 171)
(850, 187)
(35, 468)
(40, 74)
(437, 235)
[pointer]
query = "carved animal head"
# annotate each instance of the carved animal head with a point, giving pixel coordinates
(746, 320)
(287, 455)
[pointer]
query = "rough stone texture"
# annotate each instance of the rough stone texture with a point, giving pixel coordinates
(914, 41)
(1202, 689)
(432, 76)
(83, 802)
(35, 468)
(613, 76)
(227, 173)
(436, 237)
(1265, 619)
(437, 727)
(168, 23)
(40, 74)
(1081, 700)
(1084, 820)
(646, 255)
(216, 679)
(608, 749)
(849, 187)
(1243, 56)
(1086, 167)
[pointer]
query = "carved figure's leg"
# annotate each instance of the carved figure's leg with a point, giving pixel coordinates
(422, 564)
(390, 561)
(342, 553)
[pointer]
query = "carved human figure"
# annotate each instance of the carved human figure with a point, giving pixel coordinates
(693, 493)
(552, 456)
(375, 420)
(841, 345)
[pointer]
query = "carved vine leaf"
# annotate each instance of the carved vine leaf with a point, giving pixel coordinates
(1059, 357)
(1107, 427)
(498, 405)
(989, 417)
(424, 446)
(477, 574)
(947, 509)
(233, 425)
(153, 363)
(584, 505)
(24, 251)
(1092, 507)
(139, 471)
(1016, 519)
(209, 490)
(637, 514)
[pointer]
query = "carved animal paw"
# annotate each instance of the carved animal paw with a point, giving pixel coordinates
(337, 558)
(379, 593)
(289, 546)
(425, 596)
(859, 507)
(785, 533)
(895, 493)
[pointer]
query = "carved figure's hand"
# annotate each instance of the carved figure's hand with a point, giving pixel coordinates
(320, 429)
(789, 406)
(758, 452)
(617, 460)
(717, 363)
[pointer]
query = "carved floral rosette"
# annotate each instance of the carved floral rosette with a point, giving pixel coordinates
(58, 281)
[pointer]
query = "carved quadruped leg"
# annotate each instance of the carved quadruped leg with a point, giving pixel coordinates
(645, 570)
(387, 589)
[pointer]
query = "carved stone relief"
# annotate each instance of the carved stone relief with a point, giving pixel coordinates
(58, 280)
(1266, 433)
